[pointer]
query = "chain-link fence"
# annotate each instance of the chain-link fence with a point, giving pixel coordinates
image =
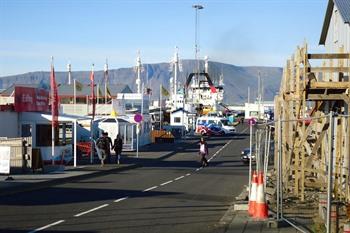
(311, 170)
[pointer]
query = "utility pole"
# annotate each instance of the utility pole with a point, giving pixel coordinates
(197, 7)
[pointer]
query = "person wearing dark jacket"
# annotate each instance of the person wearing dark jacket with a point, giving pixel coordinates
(103, 146)
(118, 147)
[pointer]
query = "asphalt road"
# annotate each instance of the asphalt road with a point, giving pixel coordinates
(171, 194)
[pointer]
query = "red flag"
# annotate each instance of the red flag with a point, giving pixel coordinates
(92, 83)
(213, 89)
(54, 98)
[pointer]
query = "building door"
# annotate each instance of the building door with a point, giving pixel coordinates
(129, 129)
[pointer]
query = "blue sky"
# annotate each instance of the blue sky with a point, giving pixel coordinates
(239, 32)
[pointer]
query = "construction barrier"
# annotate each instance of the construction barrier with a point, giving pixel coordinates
(347, 227)
(252, 198)
(261, 209)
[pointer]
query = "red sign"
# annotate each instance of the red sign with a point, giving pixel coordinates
(252, 121)
(28, 99)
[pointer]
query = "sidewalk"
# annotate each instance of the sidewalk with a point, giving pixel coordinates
(39, 180)
(237, 220)
(242, 223)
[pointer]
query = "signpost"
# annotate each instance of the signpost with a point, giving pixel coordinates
(251, 122)
(5, 152)
(138, 119)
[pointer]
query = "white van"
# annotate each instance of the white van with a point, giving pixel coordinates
(222, 122)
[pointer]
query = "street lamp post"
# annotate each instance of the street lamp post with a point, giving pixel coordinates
(197, 7)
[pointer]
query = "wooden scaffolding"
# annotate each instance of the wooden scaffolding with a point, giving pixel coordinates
(307, 95)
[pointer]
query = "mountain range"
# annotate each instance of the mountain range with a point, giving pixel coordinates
(237, 79)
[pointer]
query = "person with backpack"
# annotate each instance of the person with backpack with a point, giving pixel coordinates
(203, 151)
(118, 147)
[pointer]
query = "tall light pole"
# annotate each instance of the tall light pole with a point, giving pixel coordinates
(196, 46)
(138, 70)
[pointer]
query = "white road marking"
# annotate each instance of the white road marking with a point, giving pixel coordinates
(188, 174)
(89, 211)
(146, 190)
(121, 199)
(179, 178)
(197, 169)
(47, 226)
(165, 183)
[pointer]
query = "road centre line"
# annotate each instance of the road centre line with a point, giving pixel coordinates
(165, 183)
(121, 199)
(149, 189)
(188, 174)
(179, 178)
(47, 226)
(89, 211)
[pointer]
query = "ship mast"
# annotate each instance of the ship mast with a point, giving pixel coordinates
(176, 65)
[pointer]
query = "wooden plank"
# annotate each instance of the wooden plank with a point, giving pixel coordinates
(291, 97)
(329, 85)
(328, 69)
(328, 55)
(328, 97)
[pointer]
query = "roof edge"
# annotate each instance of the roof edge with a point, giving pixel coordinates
(326, 22)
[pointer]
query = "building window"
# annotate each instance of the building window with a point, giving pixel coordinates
(63, 135)
(177, 119)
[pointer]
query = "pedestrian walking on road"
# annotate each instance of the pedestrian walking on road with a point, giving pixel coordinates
(203, 151)
(103, 146)
(118, 147)
(109, 146)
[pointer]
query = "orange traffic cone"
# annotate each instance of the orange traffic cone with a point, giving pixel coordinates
(261, 209)
(252, 198)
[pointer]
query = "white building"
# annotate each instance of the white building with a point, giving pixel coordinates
(180, 118)
(124, 108)
(254, 110)
(335, 34)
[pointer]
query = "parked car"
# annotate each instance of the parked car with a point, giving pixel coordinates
(245, 155)
(211, 129)
(215, 130)
(221, 122)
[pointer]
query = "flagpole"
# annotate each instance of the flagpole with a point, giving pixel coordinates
(74, 96)
(93, 114)
(52, 120)
(160, 107)
(106, 78)
(98, 93)
(69, 68)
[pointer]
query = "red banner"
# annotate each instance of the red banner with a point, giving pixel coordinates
(28, 99)
(54, 98)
